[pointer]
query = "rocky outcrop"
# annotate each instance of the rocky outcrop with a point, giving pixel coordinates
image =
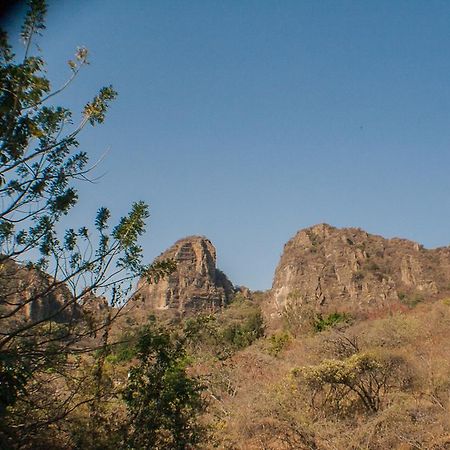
(349, 269)
(27, 293)
(195, 285)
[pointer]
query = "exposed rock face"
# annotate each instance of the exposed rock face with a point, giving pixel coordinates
(349, 269)
(195, 285)
(23, 291)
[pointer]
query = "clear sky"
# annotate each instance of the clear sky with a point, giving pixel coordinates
(247, 120)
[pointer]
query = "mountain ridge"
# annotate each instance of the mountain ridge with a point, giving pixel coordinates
(349, 268)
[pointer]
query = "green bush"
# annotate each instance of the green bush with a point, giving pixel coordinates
(241, 334)
(234, 328)
(278, 342)
(162, 399)
(321, 323)
(362, 378)
(124, 350)
(411, 300)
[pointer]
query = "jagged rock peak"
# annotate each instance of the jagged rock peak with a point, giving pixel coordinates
(195, 285)
(349, 269)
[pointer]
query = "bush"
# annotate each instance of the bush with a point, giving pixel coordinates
(363, 378)
(236, 327)
(163, 400)
(321, 323)
(241, 335)
(411, 300)
(278, 342)
(358, 276)
(124, 351)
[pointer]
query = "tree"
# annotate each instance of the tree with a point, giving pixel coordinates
(363, 378)
(163, 401)
(50, 278)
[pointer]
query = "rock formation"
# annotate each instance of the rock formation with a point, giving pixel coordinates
(348, 269)
(195, 285)
(25, 294)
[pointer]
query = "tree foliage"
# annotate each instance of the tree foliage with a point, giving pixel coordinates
(363, 377)
(162, 399)
(51, 278)
(222, 334)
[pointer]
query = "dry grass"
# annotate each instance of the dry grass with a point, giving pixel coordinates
(269, 408)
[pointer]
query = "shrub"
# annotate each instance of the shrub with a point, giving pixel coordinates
(362, 378)
(235, 328)
(124, 351)
(298, 314)
(163, 400)
(321, 323)
(411, 300)
(240, 335)
(278, 342)
(358, 276)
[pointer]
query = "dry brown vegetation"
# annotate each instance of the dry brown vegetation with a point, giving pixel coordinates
(376, 384)
(367, 383)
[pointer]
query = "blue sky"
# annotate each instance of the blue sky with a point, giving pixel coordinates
(247, 120)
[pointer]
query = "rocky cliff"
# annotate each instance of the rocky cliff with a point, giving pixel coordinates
(195, 285)
(26, 293)
(349, 269)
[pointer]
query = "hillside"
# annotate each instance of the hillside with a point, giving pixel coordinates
(328, 268)
(387, 338)
(348, 350)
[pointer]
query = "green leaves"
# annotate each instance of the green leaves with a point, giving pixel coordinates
(131, 226)
(158, 270)
(241, 335)
(322, 323)
(34, 20)
(162, 400)
(81, 58)
(6, 231)
(5, 49)
(95, 111)
(13, 380)
(40, 168)
(127, 232)
(363, 377)
(101, 221)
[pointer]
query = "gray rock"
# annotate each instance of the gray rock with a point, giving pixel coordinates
(349, 269)
(195, 285)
